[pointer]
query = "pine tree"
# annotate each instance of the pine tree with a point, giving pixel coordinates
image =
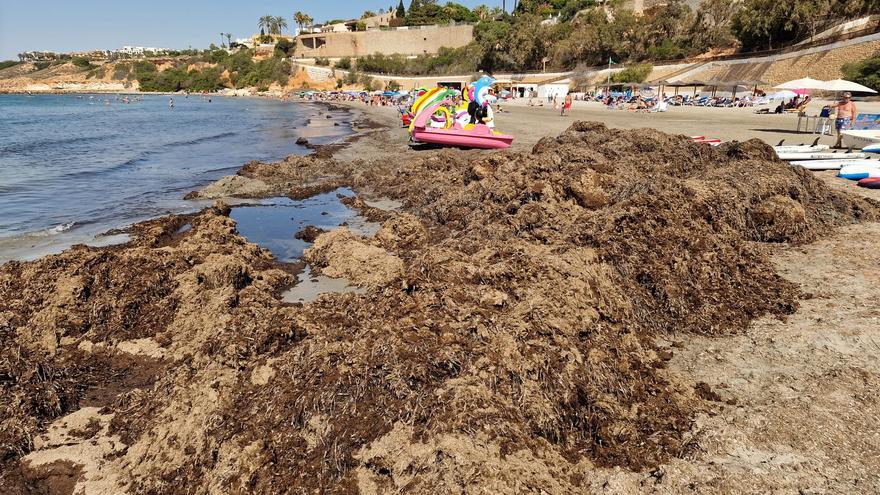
(401, 11)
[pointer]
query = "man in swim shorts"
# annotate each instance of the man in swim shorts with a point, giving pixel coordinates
(846, 115)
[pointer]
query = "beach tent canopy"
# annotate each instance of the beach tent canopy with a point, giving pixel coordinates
(843, 85)
(805, 83)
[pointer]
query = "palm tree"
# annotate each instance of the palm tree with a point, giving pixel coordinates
(277, 24)
(266, 22)
(300, 19)
(222, 35)
(229, 40)
(482, 12)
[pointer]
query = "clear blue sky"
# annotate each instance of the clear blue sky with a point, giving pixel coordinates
(77, 25)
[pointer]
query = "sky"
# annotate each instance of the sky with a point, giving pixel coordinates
(80, 25)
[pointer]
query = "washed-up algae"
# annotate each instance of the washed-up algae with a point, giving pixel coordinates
(505, 344)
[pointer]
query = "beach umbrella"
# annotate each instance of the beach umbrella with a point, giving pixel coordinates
(783, 94)
(801, 84)
(844, 85)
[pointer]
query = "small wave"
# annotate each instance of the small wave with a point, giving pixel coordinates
(64, 227)
(51, 231)
(28, 146)
(200, 140)
(145, 155)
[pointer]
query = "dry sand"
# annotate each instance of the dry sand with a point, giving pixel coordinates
(529, 124)
(529, 325)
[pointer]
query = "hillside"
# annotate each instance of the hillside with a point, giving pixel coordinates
(64, 77)
(157, 75)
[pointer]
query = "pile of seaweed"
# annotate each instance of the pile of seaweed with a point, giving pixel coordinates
(506, 342)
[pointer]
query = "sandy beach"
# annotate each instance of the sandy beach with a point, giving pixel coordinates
(597, 310)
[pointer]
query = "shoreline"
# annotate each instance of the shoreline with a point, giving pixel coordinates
(54, 239)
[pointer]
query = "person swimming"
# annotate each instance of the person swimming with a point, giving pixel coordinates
(170, 102)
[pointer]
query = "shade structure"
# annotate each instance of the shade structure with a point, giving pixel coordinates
(844, 85)
(805, 83)
(782, 94)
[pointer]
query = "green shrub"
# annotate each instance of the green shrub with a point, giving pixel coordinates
(7, 64)
(284, 48)
(97, 71)
(635, 73)
(322, 61)
(121, 71)
(81, 62)
(666, 50)
(44, 65)
(264, 73)
(207, 80)
(352, 78)
(344, 63)
(142, 69)
(166, 81)
(383, 64)
(392, 86)
(865, 72)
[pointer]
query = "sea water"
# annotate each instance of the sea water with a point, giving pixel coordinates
(74, 166)
(273, 223)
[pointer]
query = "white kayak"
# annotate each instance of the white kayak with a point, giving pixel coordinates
(802, 148)
(871, 148)
(834, 164)
(821, 156)
(860, 171)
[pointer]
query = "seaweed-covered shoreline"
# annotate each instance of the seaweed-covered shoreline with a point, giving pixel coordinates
(508, 339)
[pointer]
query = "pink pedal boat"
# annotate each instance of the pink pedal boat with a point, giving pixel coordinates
(479, 136)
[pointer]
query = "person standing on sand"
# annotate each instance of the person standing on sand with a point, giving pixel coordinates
(846, 115)
(566, 106)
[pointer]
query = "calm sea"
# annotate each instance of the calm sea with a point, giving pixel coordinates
(74, 166)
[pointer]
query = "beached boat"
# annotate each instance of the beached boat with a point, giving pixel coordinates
(860, 138)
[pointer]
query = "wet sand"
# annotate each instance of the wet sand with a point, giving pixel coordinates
(783, 400)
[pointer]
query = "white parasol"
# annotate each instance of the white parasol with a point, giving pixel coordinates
(805, 83)
(844, 85)
(782, 94)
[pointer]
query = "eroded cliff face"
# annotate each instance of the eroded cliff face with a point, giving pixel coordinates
(505, 341)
